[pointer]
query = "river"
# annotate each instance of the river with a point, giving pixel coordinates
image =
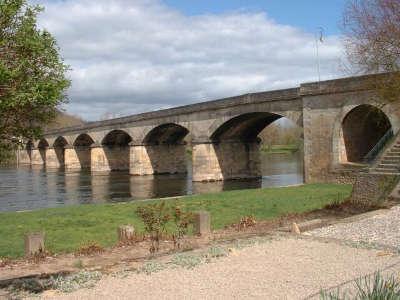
(28, 188)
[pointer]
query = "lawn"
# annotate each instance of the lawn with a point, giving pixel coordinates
(282, 149)
(69, 227)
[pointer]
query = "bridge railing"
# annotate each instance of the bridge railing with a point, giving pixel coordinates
(372, 154)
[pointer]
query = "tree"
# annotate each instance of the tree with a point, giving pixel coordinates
(32, 75)
(372, 41)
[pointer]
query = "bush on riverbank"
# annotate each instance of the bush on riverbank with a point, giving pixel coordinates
(67, 228)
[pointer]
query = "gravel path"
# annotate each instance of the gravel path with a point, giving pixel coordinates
(381, 229)
(285, 268)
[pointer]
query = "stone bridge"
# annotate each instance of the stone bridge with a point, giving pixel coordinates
(341, 119)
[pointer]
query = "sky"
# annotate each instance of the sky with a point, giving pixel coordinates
(132, 56)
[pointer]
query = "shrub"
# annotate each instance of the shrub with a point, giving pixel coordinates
(90, 248)
(155, 218)
(182, 222)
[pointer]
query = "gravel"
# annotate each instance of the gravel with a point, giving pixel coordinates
(381, 229)
(285, 268)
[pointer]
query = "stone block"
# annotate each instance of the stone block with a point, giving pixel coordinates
(34, 243)
(202, 223)
(125, 233)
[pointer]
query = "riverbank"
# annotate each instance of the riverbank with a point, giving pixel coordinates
(280, 149)
(68, 228)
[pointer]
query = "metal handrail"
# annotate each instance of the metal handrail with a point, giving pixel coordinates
(370, 156)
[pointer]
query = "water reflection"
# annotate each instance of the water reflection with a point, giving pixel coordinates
(34, 187)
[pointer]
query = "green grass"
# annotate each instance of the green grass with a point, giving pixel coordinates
(280, 148)
(69, 227)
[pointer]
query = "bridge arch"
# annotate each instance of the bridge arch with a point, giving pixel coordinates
(59, 150)
(116, 150)
(169, 133)
(244, 127)
(162, 151)
(232, 150)
(42, 147)
(83, 140)
(358, 130)
(116, 137)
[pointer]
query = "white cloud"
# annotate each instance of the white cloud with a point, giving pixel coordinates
(133, 56)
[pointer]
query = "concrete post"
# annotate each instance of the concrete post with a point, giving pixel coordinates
(202, 223)
(125, 233)
(34, 243)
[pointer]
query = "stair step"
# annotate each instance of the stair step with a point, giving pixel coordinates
(392, 154)
(390, 161)
(384, 172)
(384, 169)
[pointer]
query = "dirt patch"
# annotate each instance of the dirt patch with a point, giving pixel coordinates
(107, 260)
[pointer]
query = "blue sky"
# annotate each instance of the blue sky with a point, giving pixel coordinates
(131, 56)
(305, 14)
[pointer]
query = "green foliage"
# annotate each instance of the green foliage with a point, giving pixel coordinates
(369, 288)
(32, 74)
(155, 218)
(67, 227)
(182, 221)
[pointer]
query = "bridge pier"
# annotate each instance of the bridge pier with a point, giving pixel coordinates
(77, 157)
(226, 160)
(109, 158)
(157, 159)
(38, 156)
(24, 156)
(54, 157)
(98, 159)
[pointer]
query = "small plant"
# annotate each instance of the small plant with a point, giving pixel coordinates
(151, 267)
(247, 221)
(39, 256)
(369, 288)
(216, 252)
(186, 260)
(182, 222)
(70, 283)
(155, 218)
(4, 261)
(90, 248)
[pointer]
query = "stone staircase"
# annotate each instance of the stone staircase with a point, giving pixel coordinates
(389, 162)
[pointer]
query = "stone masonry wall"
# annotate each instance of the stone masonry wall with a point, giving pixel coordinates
(226, 160)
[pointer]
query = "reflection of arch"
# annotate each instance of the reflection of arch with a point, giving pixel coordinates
(245, 127)
(116, 149)
(166, 134)
(117, 138)
(362, 128)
